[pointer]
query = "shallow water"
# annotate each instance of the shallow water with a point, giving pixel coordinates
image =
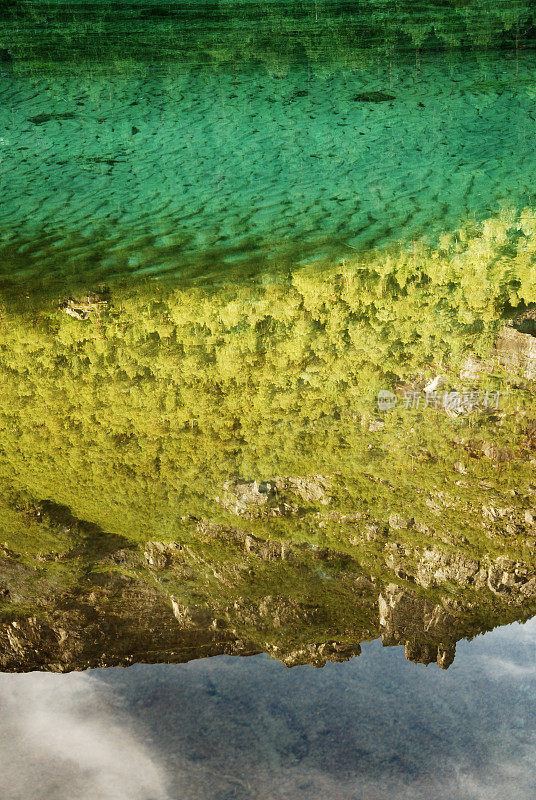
(151, 173)
(267, 358)
(324, 135)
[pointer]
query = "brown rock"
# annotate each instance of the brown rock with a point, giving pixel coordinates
(516, 352)
(495, 453)
(397, 522)
(191, 616)
(161, 554)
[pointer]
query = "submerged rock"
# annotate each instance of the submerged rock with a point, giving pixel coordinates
(373, 97)
(92, 305)
(40, 119)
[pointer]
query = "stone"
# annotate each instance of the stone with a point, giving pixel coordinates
(528, 589)
(516, 352)
(422, 627)
(311, 490)
(160, 554)
(374, 532)
(437, 567)
(91, 305)
(365, 582)
(191, 616)
(242, 496)
(505, 575)
(495, 453)
(275, 497)
(473, 367)
(266, 550)
(373, 97)
(397, 522)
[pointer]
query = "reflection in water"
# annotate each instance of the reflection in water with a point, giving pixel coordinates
(72, 739)
(248, 728)
(216, 457)
(267, 368)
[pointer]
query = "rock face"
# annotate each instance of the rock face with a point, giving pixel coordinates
(226, 589)
(514, 578)
(317, 655)
(495, 453)
(300, 614)
(192, 617)
(427, 631)
(160, 555)
(267, 551)
(436, 567)
(432, 567)
(274, 497)
(516, 352)
(396, 522)
(119, 623)
(473, 367)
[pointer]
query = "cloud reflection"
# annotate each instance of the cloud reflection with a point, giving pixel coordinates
(63, 737)
(249, 729)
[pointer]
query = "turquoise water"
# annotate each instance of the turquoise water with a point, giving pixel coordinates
(200, 170)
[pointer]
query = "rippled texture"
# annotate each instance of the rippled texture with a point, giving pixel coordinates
(151, 174)
(169, 162)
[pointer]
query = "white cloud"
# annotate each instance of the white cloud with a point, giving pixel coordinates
(62, 737)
